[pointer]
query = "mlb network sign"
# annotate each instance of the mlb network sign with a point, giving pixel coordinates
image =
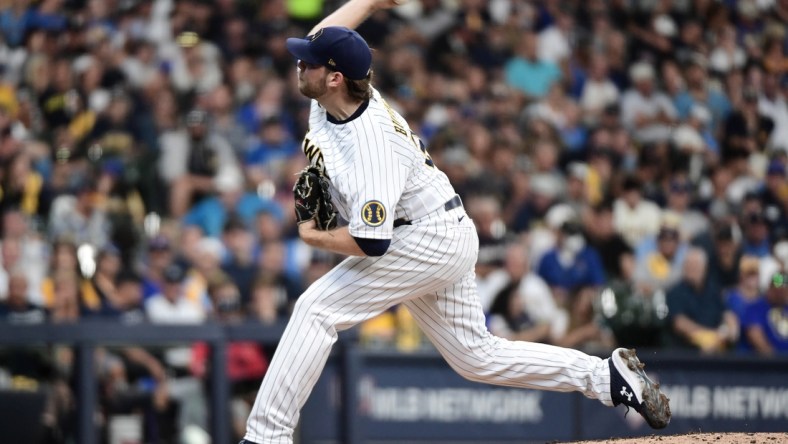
(402, 400)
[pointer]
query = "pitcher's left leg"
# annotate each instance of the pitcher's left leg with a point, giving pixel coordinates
(453, 319)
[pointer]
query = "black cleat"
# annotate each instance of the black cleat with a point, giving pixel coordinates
(629, 385)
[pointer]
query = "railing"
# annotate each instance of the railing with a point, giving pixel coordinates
(85, 337)
(349, 420)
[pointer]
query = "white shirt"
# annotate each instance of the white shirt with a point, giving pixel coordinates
(553, 46)
(777, 110)
(183, 311)
(633, 103)
(379, 169)
(597, 95)
(635, 224)
(535, 295)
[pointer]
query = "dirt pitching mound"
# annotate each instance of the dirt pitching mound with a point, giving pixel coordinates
(711, 438)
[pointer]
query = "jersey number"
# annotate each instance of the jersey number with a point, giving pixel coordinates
(417, 141)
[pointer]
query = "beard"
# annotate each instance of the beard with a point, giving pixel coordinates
(312, 90)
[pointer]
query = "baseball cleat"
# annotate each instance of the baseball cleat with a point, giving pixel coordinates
(629, 385)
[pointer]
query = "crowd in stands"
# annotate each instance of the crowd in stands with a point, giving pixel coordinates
(624, 162)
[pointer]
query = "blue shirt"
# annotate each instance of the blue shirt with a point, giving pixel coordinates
(738, 304)
(773, 320)
(760, 250)
(717, 103)
(210, 215)
(532, 78)
(586, 270)
(263, 153)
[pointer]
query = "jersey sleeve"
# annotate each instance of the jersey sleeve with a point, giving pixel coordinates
(376, 183)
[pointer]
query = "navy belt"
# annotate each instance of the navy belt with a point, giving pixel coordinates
(451, 204)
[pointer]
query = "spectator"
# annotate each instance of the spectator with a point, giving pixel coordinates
(171, 306)
(773, 104)
(738, 299)
(17, 308)
(195, 162)
(269, 300)
(212, 213)
(22, 187)
(223, 121)
(695, 140)
(65, 303)
(270, 151)
(10, 253)
(555, 41)
(80, 217)
(127, 308)
(572, 268)
(723, 249)
(159, 256)
(699, 93)
(633, 216)
(598, 91)
(774, 195)
(645, 111)
(697, 315)
(727, 55)
(764, 321)
(617, 256)
(755, 240)
(33, 250)
(679, 201)
(527, 73)
(195, 64)
(746, 131)
(535, 307)
(659, 260)
(239, 262)
(100, 291)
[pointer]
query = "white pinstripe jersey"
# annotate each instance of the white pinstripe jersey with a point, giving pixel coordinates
(379, 169)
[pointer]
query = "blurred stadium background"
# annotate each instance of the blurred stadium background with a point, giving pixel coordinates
(624, 161)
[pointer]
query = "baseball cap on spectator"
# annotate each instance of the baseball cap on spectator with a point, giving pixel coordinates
(335, 47)
(669, 225)
(641, 71)
(188, 39)
(174, 274)
(680, 186)
(775, 168)
(159, 243)
(109, 249)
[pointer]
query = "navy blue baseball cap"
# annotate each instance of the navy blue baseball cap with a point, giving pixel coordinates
(336, 47)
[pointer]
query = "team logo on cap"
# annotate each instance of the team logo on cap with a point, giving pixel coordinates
(317, 34)
(373, 213)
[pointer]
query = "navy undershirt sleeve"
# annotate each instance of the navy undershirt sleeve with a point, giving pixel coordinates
(373, 247)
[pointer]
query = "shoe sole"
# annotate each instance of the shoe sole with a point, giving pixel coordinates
(656, 409)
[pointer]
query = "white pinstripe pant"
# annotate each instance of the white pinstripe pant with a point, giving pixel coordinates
(429, 268)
